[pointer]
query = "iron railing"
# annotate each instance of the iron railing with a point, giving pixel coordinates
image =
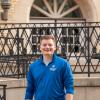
(78, 42)
(3, 92)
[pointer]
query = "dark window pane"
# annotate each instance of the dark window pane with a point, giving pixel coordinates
(76, 48)
(70, 40)
(34, 39)
(77, 40)
(34, 30)
(63, 49)
(94, 50)
(63, 31)
(76, 31)
(70, 48)
(24, 51)
(34, 48)
(70, 31)
(64, 40)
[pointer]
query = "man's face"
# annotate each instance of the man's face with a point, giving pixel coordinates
(47, 47)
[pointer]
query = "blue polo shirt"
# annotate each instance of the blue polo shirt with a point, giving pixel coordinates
(50, 82)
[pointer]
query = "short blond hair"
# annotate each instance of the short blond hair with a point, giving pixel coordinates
(46, 37)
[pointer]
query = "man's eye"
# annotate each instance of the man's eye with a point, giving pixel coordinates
(49, 44)
(44, 44)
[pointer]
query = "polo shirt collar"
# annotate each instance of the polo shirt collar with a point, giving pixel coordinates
(53, 58)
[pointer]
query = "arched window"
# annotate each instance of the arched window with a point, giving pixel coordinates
(55, 9)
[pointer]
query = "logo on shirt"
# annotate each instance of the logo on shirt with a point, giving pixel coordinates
(53, 68)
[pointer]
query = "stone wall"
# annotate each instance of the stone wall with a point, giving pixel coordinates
(85, 88)
(20, 10)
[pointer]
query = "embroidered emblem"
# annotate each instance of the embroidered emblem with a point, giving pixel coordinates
(53, 68)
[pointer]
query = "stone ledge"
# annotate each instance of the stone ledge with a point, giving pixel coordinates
(13, 83)
(87, 82)
(79, 82)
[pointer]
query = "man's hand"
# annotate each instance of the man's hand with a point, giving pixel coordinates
(69, 96)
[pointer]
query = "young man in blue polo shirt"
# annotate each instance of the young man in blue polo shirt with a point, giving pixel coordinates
(50, 77)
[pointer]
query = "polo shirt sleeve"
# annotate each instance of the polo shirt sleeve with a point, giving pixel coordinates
(30, 85)
(68, 79)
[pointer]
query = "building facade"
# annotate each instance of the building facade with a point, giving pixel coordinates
(20, 11)
(23, 41)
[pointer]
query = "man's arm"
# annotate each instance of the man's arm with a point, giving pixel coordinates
(69, 96)
(68, 82)
(30, 86)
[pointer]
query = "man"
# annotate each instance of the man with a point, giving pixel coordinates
(50, 77)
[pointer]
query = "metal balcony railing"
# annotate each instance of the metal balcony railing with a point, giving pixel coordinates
(77, 42)
(3, 92)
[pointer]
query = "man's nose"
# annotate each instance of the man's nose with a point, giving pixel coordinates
(47, 46)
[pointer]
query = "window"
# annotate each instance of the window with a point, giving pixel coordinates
(55, 9)
(70, 40)
(67, 39)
